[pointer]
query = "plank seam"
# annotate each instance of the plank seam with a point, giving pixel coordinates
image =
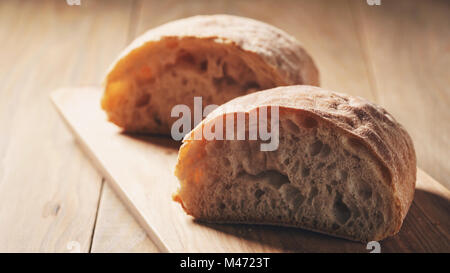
(134, 19)
(96, 215)
(362, 39)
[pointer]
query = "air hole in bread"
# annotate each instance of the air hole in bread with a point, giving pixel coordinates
(365, 190)
(305, 172)
(379, 218)
(341, 211)
(310, 122)
(185, 57)
(316, 147)
(143, 100)
(157, 119)
(223, 82)
(312, 193)
(315, 223)
(325, 150)
(342, 175)
(332, 166)
(275, 178)
(365, 213)
(259, 193)
(291, 126)
(204, 66)
(252, 85)
(292, 196)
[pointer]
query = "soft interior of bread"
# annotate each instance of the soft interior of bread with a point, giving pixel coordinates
(140, 93)
(319, 179)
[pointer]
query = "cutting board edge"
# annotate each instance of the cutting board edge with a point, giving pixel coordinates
(121, 193)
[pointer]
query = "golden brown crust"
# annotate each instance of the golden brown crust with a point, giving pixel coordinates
(279, 50)
(366, 122)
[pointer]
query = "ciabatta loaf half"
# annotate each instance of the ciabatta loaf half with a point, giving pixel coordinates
(343, 166)
(216, 57)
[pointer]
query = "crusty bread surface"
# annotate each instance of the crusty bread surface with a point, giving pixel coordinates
(216, 57)
(344, 167)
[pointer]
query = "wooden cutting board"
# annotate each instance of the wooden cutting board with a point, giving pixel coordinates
(140, 170)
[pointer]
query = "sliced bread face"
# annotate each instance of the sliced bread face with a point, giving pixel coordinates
(216, 57)
(324, 176)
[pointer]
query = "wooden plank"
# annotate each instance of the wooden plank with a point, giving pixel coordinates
(140, 170)
(116, 230)
(407, 43)
(49, 190)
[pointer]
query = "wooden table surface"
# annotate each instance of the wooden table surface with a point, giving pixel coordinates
(52, 199)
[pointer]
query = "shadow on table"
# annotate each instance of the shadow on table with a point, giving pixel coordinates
(265, 238)
(162, 141)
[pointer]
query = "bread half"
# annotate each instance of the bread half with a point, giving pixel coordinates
(343, 166)
(217, 57)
